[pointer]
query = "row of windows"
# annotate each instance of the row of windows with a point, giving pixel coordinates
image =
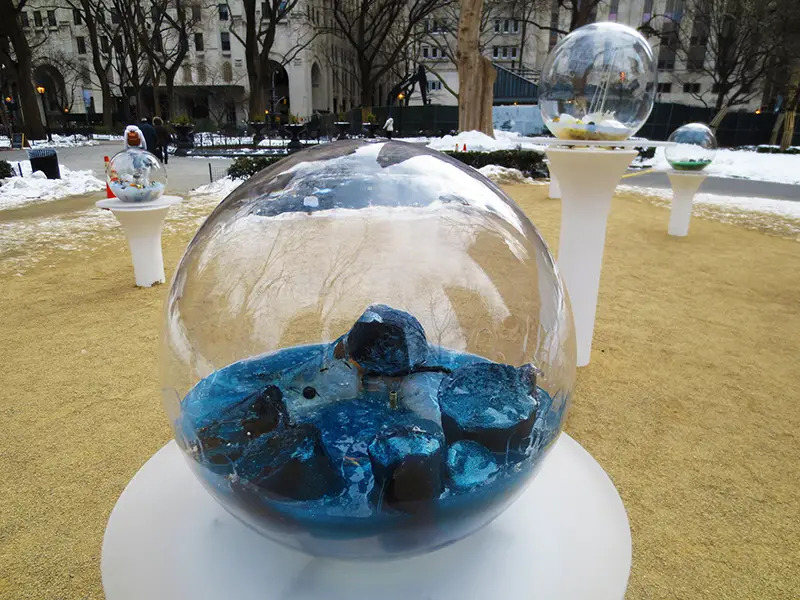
(504, 52)
(434, 85)
(199, 43)
(224, 13)
(433, 52)
(688, 88)
(506, 26)
(37, 19)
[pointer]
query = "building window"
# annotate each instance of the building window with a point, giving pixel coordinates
(37, 18)
(715, 88)
(24, 18)
(157, 45)
(81, 41)
(201, 72)
(505, 52)
(230, 112)
(76, 16)
(187, 73)
(223, 12)
(497, 25)
(434, 85)
(434, 52)
(227, 72)
(225, 39)
(674, 10)
(51, 18)
(101, 16)
(506, 24)
(198, 42)
(424, 52)
(104, 44)
(669, 43)
(514, 52)
(664, 88)
(516, 26)
(613, 10)
(495, 52)
(196, 12)
(691, 88)
(114, 16)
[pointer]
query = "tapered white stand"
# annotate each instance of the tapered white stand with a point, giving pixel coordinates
(554, 191)
(142, 224)
(566, 538)
(587, 177)
(684, 186)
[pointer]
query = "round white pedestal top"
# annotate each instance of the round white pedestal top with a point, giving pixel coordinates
(628, 144)
(117, 204)
(566, 538)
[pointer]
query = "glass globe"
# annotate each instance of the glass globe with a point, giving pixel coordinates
(136, 175)
(368, 351)
(598, 83)
(694, 149)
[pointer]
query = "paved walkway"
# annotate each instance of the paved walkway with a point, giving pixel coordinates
(723, 186)
(184, 173)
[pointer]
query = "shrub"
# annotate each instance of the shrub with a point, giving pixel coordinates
(530, 162)
(244, 167)
(182, 120)
(5, 169)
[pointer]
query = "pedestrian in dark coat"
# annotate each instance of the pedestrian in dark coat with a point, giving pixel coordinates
(163, 138)
(149, 134)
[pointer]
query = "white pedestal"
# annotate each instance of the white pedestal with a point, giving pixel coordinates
(587, 178)
(684, 186)
(142, 224)
(555, 189)
(567, 538)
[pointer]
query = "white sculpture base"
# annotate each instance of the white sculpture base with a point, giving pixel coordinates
(142, 224)
(567, 538)
(684, 186)
(587, 178)
(554, 191)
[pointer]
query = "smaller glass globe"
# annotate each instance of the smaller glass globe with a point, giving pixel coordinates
(694, 149)
(598, 83)
(136, 175)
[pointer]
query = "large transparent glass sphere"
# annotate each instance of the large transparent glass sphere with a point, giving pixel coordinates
(598, 83)
(136, 175)
(694, 149)
(368, 350)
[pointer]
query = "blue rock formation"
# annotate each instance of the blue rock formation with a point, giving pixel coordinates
(489, 403)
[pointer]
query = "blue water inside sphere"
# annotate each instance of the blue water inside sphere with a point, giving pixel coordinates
(375, 373)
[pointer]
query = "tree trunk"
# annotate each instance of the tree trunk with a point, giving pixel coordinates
(108, 117)
(476, 74)
(721, 113)
(29, 103)
(776, 129)
(788, 130)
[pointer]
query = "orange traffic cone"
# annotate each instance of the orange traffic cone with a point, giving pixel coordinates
(109, 193)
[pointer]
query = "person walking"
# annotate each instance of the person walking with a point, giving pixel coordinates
(149, 134)
(163, 138)
(389, 127)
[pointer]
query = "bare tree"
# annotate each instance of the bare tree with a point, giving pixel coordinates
(16, 56)
(260, 30)
(379, 31)
(729, 42)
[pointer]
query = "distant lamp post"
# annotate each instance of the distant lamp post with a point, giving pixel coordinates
(40, 89)
(66, 110)
(8, 99)
(758, 111)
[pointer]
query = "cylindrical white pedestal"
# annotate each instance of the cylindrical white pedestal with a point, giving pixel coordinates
(555, 189)
(587, 177)
(684, 186)
(142, 224)
(567, 538)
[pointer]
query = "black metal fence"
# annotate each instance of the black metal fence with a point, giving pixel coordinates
(736, 129)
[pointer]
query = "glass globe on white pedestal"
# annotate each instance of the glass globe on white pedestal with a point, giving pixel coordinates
(350, 362)
(136, 175)
(598, 83)
(695, 146)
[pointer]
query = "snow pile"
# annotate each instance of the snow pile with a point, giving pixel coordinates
(477, 141)
(107, 137)
(500, 174)
(219, 188)
(779, 217)
(743, 164)
(35, 187)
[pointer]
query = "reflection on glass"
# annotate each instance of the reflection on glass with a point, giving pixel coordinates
(357, 358)
(598, 83)
(136, 175)
(694, 149)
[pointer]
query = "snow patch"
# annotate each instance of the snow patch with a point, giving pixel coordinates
(35, 187)
(219, 188)
(476, 141)
(500, 174)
